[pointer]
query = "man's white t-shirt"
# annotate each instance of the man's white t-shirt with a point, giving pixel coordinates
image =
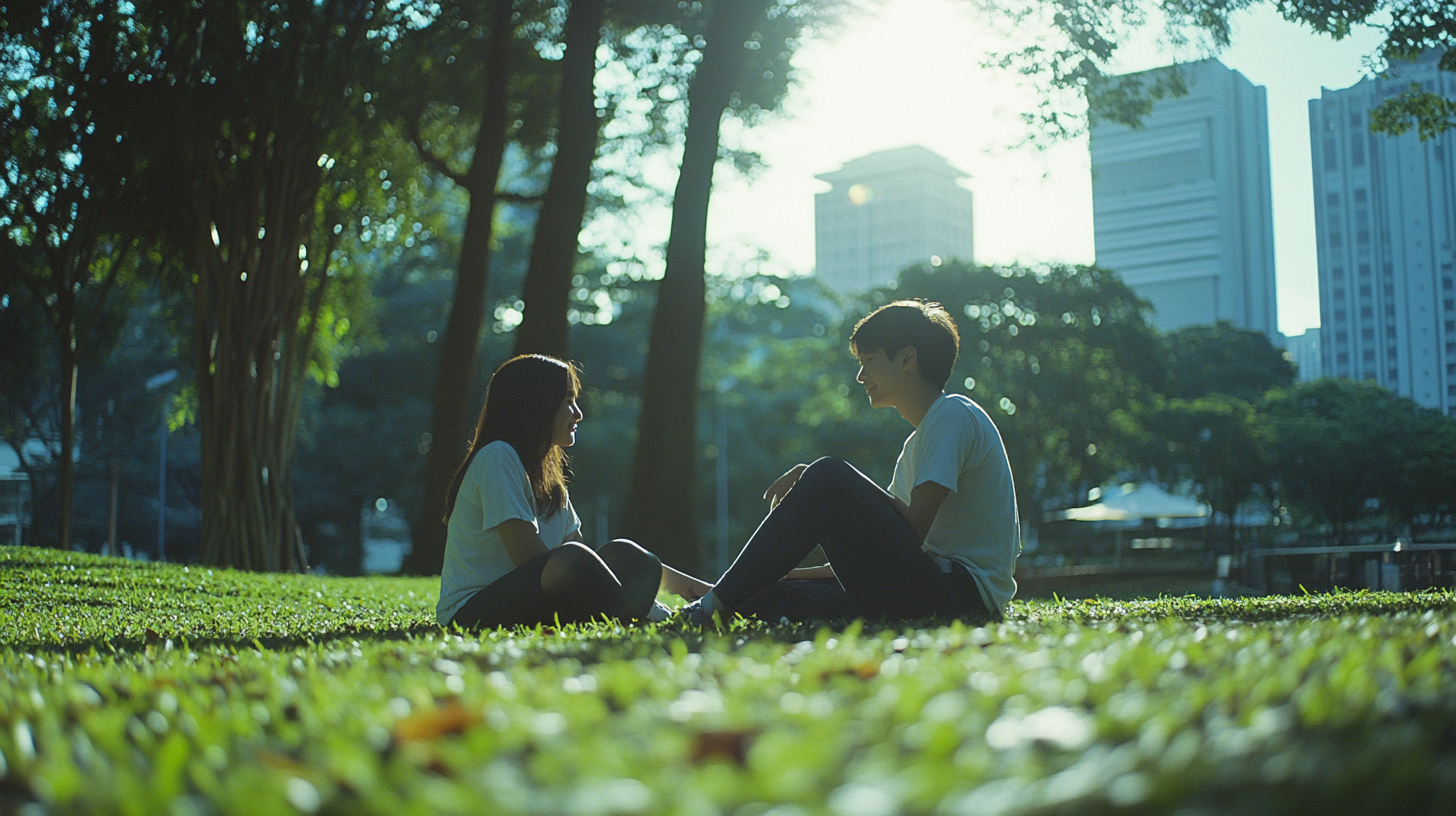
(957, 446)
(495, 489)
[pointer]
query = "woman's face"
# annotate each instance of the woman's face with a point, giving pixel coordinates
(563, 430)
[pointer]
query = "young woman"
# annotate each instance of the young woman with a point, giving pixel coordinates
(514, 553)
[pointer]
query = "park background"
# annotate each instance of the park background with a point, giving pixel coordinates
(302, 245)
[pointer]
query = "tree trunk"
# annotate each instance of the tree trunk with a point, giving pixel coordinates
(547, 288)
(66, 328)
(253, 334)
(663, 494)
(460, 343)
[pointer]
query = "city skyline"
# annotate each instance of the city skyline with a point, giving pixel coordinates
(848, 106)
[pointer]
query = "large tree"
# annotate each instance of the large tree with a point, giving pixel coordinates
(660, 505)
(65, 234)
(487, 65)
(1223, 359)
(547, 288)
(258, 122)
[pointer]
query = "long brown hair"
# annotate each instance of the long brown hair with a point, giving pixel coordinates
(520, 409)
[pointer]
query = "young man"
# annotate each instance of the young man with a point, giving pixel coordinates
(942, 541)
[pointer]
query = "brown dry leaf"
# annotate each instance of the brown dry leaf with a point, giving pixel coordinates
(728, 746)
(280, 762)
(450, 718)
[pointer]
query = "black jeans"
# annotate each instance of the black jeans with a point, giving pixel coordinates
(881, 567)
(571, 583)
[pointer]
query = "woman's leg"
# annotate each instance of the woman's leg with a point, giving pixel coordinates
(872, 549)
(640, 573)
(569, 583)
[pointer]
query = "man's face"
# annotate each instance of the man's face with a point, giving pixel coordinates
(886, 378)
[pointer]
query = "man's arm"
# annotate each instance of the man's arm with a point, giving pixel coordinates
(925, 501)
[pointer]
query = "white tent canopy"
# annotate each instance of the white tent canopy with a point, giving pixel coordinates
(1135, 501)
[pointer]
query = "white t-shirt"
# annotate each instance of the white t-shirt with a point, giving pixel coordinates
(495, 489)
(957, 446)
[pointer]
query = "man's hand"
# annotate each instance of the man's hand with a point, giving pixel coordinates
(781, 485)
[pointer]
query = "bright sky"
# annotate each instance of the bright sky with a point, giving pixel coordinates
(906, 72)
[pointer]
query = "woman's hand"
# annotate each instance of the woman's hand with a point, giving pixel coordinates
(781, 485)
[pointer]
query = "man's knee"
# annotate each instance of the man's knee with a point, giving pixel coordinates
(826, 470)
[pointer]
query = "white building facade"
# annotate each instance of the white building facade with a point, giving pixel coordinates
(885, 211)
(1182, 206)
(1385, 218)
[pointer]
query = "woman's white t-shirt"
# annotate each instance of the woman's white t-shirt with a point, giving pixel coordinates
(495, 489)
(958, 447)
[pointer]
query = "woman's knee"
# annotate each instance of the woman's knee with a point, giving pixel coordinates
(625, 555)
(572, 565)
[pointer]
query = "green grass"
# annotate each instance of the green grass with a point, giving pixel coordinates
(154, 689)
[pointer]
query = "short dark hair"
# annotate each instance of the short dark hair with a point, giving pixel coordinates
(922, 324)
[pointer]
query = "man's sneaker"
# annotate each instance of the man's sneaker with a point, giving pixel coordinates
(702, 613)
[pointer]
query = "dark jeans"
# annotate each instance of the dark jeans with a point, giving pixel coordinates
(881, 567)
(571, 583)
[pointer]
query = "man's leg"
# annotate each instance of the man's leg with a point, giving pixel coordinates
(871, 547)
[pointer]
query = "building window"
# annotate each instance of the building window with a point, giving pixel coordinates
(1368, 356)
(1451, 326)
(1392, 375)
(1367, 334)
(1451, 348)
(1449, 304)
(1340, 316)
(1360, 196)
(1357, 152)
(1391, 353)
(1339, 294)
(1342, 358)
(1451, 369)
(1364, 270)
(1332, 161)
(1342, 337)
(1365, 292)
(1336, 240)
(1332, 199)
(1447, 284)
(1366, 313)
(1390, 332)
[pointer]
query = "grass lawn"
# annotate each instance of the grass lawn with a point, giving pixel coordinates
(159, 689)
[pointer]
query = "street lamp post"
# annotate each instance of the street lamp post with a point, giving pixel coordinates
(153, 383)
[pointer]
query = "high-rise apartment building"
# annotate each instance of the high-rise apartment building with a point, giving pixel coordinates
(885, 211)
(1385, 219)
(1182, 207)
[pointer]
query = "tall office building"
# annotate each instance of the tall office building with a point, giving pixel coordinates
(886, 211)
(1385, 218)
(1304, 351)
(1181, 206)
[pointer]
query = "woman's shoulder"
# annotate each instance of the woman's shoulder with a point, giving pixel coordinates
(497, 456)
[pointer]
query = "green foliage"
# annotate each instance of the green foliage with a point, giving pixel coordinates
(1217, 442)
(133, 688)
(1432, 114)
(1221, 359)
(1342, 449)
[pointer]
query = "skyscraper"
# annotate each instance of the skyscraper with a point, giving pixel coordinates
(1181, 205)
(1304, 350)
(885, 211)
(1385, 219)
